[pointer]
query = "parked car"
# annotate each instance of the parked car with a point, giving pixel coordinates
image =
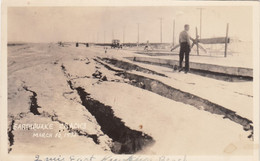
(116, 44)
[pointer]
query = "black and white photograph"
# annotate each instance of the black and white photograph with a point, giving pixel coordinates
(148, 82)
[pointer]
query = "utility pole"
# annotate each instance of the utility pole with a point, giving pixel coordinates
(173, 32)
(104, 37)
(138, 34)
(197, 43)
(200, 20)
(124, 35)
(93, 38)
(97, 37)
(161, 28)
(226, 40)
(112, 34)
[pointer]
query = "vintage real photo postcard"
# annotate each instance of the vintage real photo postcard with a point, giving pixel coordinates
(129, 80)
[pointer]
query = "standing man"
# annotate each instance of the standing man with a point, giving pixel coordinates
(185, 46)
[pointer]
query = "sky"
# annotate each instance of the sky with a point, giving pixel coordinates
(102, 24)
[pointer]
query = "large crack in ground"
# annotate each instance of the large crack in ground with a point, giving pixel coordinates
(11, 128)
(125, 140)
(33, 104)
(79, 132)
(129, 66)
(221, 76)
(164, 90)
(33, 109)
(53, 117)
(204, 73)
(11, 135)
(155, 54)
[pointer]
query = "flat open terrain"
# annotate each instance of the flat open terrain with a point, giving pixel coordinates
(99, 102)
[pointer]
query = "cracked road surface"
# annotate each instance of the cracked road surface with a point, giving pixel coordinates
(101, 103)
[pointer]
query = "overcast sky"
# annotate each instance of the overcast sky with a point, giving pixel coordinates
(52, 24)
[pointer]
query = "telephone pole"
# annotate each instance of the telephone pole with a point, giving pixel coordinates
(161, 28)
(112, 34)
(124, 35)
(97, 37)
(104, 37)
(173, 32)
(138, 34)
(200, 20)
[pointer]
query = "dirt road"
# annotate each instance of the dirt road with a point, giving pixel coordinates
(102, 103)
